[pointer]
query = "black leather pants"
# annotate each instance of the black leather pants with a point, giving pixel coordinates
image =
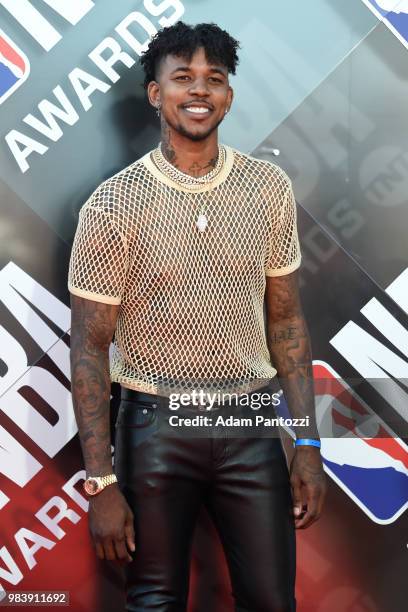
(243, 481)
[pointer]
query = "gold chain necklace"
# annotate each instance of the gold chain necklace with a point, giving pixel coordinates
(188, 181)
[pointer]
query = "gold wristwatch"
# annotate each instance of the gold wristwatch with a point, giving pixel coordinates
(95, 484)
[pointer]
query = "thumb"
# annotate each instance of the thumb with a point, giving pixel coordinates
(130, 533)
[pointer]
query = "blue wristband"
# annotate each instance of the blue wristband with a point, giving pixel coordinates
(307, 442)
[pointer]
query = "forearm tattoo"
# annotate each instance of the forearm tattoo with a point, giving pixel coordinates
(91, 333)
(290, 349)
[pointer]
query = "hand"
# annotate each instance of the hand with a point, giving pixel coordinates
(308, 482)
(111, 525)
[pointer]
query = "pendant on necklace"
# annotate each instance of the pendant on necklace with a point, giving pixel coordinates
(202, 222)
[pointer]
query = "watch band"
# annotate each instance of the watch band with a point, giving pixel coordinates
(107, 480)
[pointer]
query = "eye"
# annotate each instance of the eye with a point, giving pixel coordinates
(182, 77)
(215, 80)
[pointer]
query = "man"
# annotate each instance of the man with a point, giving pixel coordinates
(175, 255)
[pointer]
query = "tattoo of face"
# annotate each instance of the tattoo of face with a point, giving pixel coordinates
(89, 386)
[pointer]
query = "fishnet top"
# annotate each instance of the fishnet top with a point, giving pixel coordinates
(191, 302)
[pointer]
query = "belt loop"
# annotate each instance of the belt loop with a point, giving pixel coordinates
(132, 395)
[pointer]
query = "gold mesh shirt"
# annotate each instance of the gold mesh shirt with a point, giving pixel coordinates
(191, 302)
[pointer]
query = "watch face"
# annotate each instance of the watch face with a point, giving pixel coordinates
(91, 486)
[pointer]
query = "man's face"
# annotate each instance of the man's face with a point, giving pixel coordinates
(194, 95)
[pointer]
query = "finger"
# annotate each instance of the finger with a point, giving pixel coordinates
(311, 514)
(306, 521)
(109, 550)
(130, 534)
(296, 496)
(121, 551)
(99, 550)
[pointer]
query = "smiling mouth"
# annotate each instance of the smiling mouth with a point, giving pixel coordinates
(197, 110)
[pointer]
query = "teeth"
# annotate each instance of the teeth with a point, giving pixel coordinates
(197, 109)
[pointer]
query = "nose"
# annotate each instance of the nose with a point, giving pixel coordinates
(86, 388)
(199, 87)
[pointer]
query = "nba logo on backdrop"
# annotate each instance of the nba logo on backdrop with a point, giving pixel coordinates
(359, 450)
(14, 67)
(394, 14)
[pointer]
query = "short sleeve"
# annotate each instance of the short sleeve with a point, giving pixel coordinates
(99, 257)
(284, 254)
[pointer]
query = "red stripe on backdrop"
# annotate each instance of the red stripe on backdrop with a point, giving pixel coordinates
(11, 55)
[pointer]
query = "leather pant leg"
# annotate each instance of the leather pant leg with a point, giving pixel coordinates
(163, 480)
(244, 483)
(250, 502)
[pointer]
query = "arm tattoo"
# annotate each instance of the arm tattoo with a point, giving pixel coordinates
(283, 334)
(290, 350)
(92, 329)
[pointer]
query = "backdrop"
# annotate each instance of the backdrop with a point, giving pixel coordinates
(321, 90)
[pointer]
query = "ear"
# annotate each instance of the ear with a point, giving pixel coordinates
(153, 93)
(230, 97)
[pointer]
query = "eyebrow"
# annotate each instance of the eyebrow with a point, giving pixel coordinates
(187, 68)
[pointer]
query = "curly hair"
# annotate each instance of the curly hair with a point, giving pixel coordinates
(183, 40)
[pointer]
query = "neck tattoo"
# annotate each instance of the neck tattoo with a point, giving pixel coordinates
(190, 182)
